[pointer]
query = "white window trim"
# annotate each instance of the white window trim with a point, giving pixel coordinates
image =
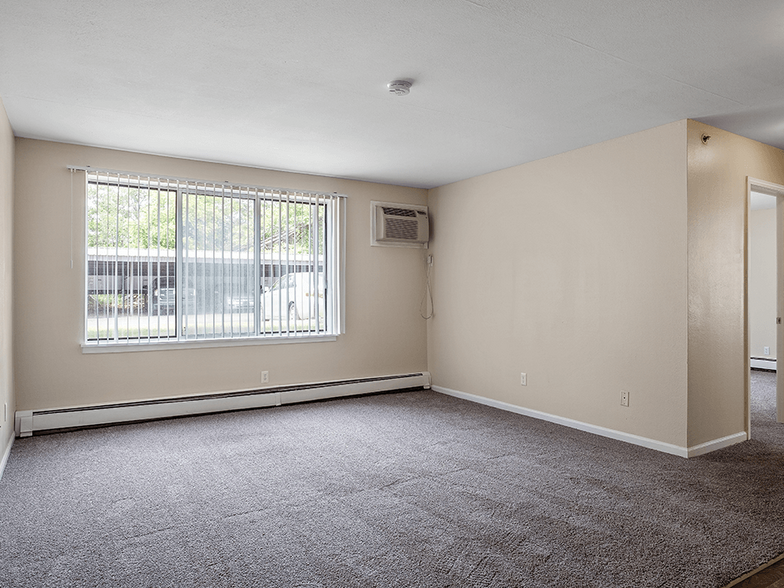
(88, 348)
(335, 262)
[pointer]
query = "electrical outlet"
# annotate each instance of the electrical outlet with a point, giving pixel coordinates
(265, 377)
(624, 398)
(766, 350)
(523, 379)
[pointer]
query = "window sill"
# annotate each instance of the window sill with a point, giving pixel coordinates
(201, 343)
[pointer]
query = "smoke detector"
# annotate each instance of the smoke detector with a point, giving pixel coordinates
(399, 87)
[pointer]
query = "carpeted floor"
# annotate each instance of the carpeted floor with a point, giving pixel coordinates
(405, 489)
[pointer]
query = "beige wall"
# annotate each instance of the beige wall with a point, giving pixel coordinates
(6, 281)
(384, 332)
(619, 266)
(762, 282)
(717, 186)
(574, 270)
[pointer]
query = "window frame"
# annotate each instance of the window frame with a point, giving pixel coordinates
(332, 259)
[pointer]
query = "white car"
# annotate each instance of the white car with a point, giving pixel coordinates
(293, 297)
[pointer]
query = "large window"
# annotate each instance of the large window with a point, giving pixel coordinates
(181, 260)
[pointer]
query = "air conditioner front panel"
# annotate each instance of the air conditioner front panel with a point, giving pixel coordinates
(398, 224)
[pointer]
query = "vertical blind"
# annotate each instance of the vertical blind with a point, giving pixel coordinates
(174, 259)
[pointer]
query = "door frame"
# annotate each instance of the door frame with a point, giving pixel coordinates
(777, 190)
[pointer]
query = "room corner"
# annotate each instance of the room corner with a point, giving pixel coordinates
(7, 398)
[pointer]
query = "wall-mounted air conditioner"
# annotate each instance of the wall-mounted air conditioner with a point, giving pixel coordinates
(398, 225)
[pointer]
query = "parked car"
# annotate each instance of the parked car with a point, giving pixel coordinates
(239, 302)
(164, 296)
(294, 297)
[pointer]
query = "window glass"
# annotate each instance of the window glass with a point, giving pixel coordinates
(180, 260)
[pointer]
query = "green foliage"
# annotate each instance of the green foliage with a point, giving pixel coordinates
(296, 227)
(216, 223)
(146, 218)
(132, 217)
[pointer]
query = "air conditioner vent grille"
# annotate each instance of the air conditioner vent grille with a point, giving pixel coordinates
(399, 212)
(399, 228)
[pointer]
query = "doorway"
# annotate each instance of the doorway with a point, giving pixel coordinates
(764, 285)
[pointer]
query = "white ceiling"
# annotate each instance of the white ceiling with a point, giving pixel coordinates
(301, 84)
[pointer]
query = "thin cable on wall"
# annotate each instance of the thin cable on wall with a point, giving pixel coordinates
(72, 175)
(428, 294)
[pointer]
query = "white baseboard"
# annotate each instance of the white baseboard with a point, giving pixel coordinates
(29, 421)
(762, 363)
(6, 455)
(601, 431)
(704, 448)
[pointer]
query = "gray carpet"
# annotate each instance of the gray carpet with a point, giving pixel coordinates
(402, 489)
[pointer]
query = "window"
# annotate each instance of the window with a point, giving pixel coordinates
(182, 260)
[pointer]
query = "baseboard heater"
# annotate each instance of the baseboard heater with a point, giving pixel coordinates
(763, 363)
(28, 422)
